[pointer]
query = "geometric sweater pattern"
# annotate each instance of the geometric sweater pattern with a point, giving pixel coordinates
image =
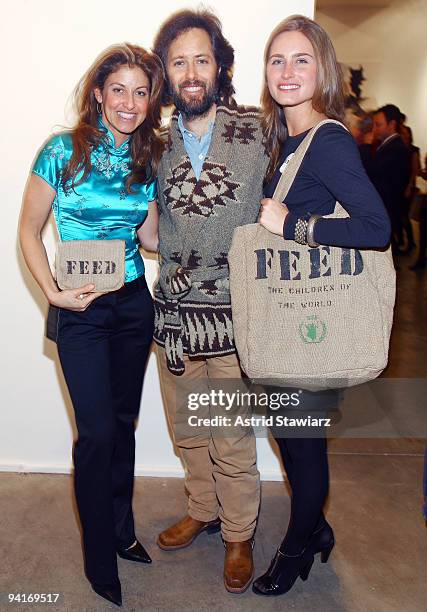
(197, 219)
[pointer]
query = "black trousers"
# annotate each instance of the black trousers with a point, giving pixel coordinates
(103, 353)
(305, 461)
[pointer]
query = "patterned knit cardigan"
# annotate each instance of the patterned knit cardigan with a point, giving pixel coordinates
(196, 224)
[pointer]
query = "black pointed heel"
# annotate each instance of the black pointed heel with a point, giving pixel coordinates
(136, 552)
(110, 592)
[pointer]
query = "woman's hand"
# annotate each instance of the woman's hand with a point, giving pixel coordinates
(273, 215)
(74, 299)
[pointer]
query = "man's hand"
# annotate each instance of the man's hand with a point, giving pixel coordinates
(180, 282)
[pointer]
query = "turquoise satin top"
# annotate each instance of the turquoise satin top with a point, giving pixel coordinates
(100, 208)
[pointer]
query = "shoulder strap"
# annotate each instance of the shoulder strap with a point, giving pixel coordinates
(288, 176)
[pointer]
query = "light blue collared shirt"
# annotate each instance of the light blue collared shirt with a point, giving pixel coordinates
(196, 149)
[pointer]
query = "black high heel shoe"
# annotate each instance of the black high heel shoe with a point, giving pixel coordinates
(136, 552)
(110, 592)
(322, 541)
(283, 572)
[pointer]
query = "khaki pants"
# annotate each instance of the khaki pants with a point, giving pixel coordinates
(221, 473)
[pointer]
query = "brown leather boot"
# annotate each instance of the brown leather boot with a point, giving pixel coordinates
(238, 566)
(184, 532)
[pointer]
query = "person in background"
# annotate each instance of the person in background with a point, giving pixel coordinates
(421, 261)
(415, 167)
(99, 180)
(364, 137)
(391, 169)
(208, 185)
(303, 85)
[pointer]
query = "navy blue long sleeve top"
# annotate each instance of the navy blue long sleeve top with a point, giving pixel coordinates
(332, 171)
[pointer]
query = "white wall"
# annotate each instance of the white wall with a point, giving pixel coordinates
(50, 43)
(390, 44)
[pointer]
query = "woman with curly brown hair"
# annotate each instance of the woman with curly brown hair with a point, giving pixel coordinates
(99, 180)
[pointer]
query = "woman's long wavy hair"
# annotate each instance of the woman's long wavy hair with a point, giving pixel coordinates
(145, 145)
(328, 96)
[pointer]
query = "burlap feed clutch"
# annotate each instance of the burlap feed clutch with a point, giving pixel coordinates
(80, 262)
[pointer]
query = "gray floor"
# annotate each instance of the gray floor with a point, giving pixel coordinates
(378, 565)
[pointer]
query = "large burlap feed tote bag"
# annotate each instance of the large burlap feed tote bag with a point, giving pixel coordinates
(314, 318)
(80, 262)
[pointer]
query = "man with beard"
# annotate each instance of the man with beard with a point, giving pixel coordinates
(210, 181)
